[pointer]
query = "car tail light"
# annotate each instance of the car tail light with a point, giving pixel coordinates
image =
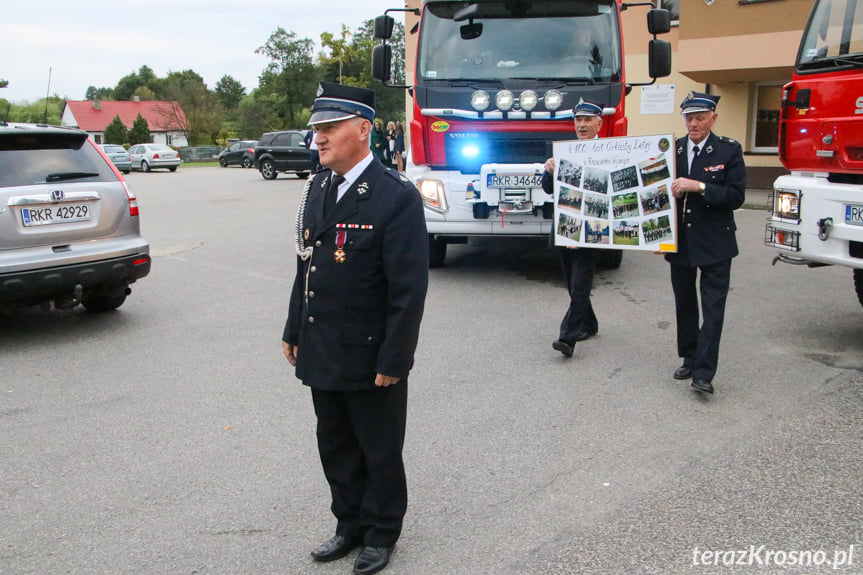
(155, 156)
(250, 150)
(133, 201)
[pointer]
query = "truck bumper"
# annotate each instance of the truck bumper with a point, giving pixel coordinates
(816, 221)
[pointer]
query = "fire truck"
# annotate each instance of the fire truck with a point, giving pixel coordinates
(494, 85)
(817, 210)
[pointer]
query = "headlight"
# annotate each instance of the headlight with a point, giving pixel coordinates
(553, 100)
(527, 100)
(433, 195)
(504, 100)
(786, 204)
(479, 101)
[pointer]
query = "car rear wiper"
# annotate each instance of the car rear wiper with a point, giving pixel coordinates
(69, 176)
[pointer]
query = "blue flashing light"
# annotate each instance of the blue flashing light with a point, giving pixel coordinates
(470, 151)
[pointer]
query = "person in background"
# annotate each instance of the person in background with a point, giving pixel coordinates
(391, 143)
(579, 264)
(710, 185)
(353, 323)
(399, 148)
(379, 142)
(312, 147)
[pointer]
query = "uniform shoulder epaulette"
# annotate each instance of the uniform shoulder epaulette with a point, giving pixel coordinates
(394, 174)
(728, 140)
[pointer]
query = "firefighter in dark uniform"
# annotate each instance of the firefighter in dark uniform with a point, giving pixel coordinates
(354, 320)
(579, 264)
(710, 185)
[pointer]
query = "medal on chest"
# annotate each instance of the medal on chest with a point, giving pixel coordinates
(341, 238)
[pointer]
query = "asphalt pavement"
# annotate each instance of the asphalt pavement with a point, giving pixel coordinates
(171, 437)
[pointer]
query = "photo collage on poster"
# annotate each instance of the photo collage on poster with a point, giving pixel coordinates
(615, 193)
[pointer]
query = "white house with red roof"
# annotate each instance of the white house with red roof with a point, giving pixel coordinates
(166, 120)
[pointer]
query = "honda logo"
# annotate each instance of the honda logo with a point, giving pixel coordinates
(57, 195)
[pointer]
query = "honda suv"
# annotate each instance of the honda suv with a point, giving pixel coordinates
(69, 228)
(282, 151)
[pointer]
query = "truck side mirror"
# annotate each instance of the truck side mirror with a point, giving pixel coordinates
(382, 58)
(384, 27)
(658, 21)
(659, 58)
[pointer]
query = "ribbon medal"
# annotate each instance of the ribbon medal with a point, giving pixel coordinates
(341, 238)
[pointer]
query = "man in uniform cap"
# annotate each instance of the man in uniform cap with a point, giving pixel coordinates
(710, 185)
(353, 323)
(579, 264)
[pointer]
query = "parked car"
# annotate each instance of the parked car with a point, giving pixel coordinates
(239, 153)
(119, 156)
(69, 225)
(282, 151)
(146, 157)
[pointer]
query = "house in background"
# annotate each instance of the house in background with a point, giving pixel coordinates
(166, 120)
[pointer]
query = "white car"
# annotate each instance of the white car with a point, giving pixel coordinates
(146, 157)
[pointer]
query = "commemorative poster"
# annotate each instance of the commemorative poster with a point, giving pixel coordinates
(615, 193)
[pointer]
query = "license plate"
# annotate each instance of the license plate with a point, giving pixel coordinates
(62, 214)
(854, 214)
(513, 181)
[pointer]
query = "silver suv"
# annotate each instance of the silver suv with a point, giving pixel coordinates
(69, 229)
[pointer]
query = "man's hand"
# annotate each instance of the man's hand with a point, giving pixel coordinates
(290, 353)
(382, 380)
(549, 165)
(682, 185)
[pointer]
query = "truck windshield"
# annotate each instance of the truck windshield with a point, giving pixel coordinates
(538, 40)
(834, 36)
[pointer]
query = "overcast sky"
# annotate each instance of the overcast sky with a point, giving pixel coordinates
(87, 43)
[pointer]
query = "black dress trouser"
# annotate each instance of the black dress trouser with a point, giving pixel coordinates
(360, 439)
(579, 266)
(699, 347)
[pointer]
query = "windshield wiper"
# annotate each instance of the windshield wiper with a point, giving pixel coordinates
(834, 61)
(69, 176)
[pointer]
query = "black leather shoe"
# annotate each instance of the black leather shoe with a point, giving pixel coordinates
(584, 335)
(702, 385)
(563, 347)
(682, 372)
(372, 559)
(335, 548)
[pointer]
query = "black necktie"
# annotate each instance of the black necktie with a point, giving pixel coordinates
(695, 151)
(332, 193)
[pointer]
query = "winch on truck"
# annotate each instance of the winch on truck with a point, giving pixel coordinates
(494, 85)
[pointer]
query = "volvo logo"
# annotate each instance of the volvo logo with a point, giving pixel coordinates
(57, 195)
(464, 135)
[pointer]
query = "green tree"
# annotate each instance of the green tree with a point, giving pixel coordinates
(47, 111)
(203, 117)
(291, 78)
(131, 82)
(349, 61)
(94, 93)
(144, 93)
(3, 83)
(229, 92)
(116, 132)
(140, 132)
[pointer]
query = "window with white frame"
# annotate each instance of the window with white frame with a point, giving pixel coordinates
(767, 100)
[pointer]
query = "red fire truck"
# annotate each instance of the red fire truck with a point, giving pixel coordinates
(817, 210)
(494, 86)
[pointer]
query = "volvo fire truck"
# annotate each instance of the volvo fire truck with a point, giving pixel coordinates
(494, 85)
(817, 210)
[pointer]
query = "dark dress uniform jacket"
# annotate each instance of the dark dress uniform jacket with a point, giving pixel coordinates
(354, 319)
(706, 222)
